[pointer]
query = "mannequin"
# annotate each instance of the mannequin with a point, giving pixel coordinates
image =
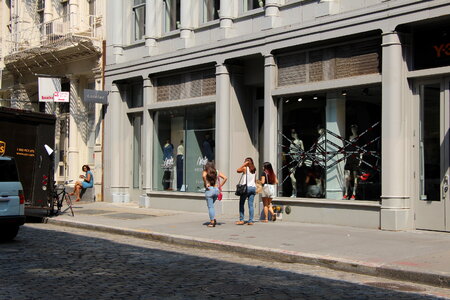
(295, 150)
(180, 157)
(208, 147)
(167, 164)
(352, 164)
(320, 155)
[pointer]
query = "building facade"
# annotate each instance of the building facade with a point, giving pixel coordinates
(64, 40)
(347, 99)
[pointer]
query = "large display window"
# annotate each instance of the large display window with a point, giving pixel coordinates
(330, 145)
(185, 141)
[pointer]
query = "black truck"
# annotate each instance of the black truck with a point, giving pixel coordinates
(23, 135)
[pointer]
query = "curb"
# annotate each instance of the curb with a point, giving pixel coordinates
(340, 264)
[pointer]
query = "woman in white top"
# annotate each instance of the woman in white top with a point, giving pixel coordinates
(249, 177)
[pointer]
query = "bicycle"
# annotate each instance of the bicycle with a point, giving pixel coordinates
(59, 194)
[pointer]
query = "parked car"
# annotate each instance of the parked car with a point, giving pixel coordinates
(12, 199)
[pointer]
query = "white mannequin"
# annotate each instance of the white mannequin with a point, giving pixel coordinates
(180, 149)
(351, 166)
(294, 149)
(320, 148)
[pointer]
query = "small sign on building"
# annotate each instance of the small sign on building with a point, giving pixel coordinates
(61, 97)
(47, 87)
(94, 96)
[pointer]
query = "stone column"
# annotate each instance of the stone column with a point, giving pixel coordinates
(115, 143)
(74, 17)
(223, 86)
(395, 204)
(148, 129)
(19, 98)
(114, 10)
(227, 13)
(270, 113)
(189, 9)
(272, 11)
(335, 122)
(48, 15)
(98, 147)
(153, 13)
(74, 166)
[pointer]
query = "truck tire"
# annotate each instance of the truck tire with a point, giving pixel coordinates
(9, 233)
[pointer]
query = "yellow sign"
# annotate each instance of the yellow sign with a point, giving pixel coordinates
(2, 148)
(25, 152)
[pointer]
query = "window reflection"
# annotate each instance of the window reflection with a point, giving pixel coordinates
(331, 146)
(185, 142)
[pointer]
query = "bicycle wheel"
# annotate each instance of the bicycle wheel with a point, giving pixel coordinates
(59, 202)
(69, 203)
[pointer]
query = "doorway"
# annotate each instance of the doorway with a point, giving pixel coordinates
(433, 204)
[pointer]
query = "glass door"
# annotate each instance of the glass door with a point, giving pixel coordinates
(432, 205)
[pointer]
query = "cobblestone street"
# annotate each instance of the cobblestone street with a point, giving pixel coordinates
(51, 262)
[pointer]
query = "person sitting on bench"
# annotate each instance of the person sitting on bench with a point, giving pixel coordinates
(88, 182)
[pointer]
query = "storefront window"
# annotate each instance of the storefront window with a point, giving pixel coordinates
(185, 142)
(330, 145)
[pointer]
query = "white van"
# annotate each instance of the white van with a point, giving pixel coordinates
(12, 199)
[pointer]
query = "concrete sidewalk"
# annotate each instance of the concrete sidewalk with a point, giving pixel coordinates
(416, 256)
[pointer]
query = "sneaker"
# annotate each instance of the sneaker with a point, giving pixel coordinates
(352, 197)
(345, 197)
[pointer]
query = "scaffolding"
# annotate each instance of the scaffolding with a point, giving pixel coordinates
(45, 44)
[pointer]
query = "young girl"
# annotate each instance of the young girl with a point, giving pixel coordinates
(210, 180)
(249, 176)
(269, 181)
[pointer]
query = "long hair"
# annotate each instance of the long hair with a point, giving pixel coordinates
(267, 167)
(87, 168)
(211, 172)
(251, 166)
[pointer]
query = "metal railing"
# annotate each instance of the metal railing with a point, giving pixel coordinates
(53, 32)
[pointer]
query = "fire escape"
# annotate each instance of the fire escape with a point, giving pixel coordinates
(43, 45)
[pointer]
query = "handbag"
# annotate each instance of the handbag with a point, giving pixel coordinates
(220, 196)
(268, 189)
(241, 189)
(259, 186)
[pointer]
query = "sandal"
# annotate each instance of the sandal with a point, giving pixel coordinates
(212, 223)
(274, 217)
(239, 223)
(78, 199)
(265, 221)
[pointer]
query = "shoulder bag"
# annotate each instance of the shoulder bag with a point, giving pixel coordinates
(241, 189)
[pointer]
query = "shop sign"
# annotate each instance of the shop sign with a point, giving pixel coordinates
(61, 97)
(94, 96)
(431, 47)
(47, 88)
